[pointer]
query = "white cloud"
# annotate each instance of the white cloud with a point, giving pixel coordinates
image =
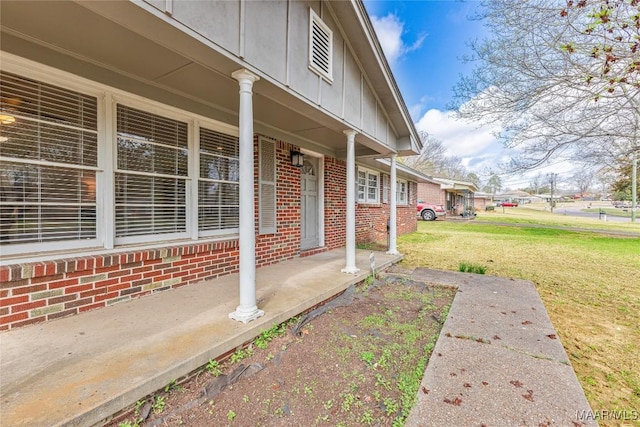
(389, 30)
(479, 150)
(462, 139)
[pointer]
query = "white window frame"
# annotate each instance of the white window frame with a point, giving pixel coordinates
(189, 214)
(216, 127)
(315, 20)
(35, 71)
(107, 100)
(402, 196)
(366, 187)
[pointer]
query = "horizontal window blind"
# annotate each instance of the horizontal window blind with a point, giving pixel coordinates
(219, 181)
(152, 168)
(48, 148)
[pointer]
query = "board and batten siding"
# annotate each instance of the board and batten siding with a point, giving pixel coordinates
(273, 36)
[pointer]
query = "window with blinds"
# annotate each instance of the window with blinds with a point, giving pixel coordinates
(48, 153)
(320, 47)
(219, 182)
(151, 175)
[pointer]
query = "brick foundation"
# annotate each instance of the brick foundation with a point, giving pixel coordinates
(36, 292)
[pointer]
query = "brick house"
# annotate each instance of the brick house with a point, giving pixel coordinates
(147, 145)
(455, 195)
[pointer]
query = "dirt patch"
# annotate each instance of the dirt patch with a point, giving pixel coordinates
(358, 363)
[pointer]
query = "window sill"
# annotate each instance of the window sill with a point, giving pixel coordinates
(98, 251)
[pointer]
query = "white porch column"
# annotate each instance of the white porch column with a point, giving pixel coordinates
(247, 310)
(393, 250)
(351, 267)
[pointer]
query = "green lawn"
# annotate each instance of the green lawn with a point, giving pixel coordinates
(589, 283)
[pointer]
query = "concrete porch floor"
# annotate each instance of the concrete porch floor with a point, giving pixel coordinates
(79, 370)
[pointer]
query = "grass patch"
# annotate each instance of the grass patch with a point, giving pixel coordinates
(465, 267)
(589, 283)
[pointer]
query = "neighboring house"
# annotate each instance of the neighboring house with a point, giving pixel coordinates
(152, 144)
(521, 197)
(456, 196)
(481, 201)
(431, 191)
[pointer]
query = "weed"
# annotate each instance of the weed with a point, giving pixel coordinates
(240, 354)
(269, 335)
(444, 314)
(390, 406)
(322, 418)
(158, 404)
(172, 386)
(384, 359)
(368, 357)
(231, 415)
(245, 398)
(348, 399)
(367, 417)
(381, 381)
(328, 404)
(213, 366)
(369, 280)
(127, 423)
(465, 267)
(374, 320)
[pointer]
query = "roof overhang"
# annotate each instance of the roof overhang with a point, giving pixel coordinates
(134, 47)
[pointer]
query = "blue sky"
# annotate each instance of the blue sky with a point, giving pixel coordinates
(424, 41)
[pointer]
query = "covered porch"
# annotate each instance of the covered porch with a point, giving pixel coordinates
(81, 369)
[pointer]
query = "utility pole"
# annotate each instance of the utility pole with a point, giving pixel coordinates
(634, 185)
(552, 179)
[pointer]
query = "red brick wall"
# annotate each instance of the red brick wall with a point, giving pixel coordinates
(371, 219)
(285, 243)
(431, 193)
(335, 204)
(32, 293)
(479, 203)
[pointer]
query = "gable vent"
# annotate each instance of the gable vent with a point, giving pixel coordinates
(320, 47)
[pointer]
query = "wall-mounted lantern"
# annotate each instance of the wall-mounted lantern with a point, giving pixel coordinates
(297, 159)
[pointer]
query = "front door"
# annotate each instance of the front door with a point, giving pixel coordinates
(309, 204)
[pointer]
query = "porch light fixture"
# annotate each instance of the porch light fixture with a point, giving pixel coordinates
(297, 159)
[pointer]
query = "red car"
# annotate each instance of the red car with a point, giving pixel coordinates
(429, 211)
(508, 204)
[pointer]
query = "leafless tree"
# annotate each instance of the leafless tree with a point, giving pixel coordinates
(583, 180)
(549, 76)
(434, 161)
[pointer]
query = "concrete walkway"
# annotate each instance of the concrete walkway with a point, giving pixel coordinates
(498, 361)
(79, 370)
